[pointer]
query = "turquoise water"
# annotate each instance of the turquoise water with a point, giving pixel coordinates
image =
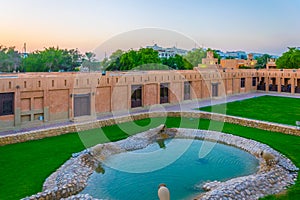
(183, 177)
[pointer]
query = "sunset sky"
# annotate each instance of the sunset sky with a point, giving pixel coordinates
(267, 26)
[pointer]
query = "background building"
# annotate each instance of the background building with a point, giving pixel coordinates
(239, 63)
(168, 52)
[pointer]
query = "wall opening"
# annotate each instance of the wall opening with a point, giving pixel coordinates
(164, 93)
(253, 81)
(136, 96)
(242, 82)
(187, 90)
(214, 89)
(6, 103)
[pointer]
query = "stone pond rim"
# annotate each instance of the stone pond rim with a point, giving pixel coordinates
(72, 176)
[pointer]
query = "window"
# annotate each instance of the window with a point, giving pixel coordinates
(187, 90)
(6, 104)
(242, 82)
(136, 96)
(253, 81)
(164, 93)
(215, 90)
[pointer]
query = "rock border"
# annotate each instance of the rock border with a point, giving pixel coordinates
(76, 127)
(72, 177)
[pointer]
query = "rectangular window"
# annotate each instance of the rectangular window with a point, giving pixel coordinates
(6, 104)
(242, 82)
(215, 89)
(187, 90)
(136, 96)
(253, 81)
(164, 93)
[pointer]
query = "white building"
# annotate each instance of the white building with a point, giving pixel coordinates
(168, 52)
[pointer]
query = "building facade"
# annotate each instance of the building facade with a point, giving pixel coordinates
(33, 99)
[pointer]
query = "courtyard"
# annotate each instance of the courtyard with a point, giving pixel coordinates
(25, 166)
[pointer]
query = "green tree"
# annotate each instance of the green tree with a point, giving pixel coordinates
(147, 59)
(262, 61)
(148, 55)
(104, 63)
(10, 59)
(289, 59)
(90, 62)
(113, 63)
(195, 57)
(52, 59)
(133, 59)
(90, 56)
(129, 60)
(75, 59)
(177, 62)
(32, 63)
(115, 55)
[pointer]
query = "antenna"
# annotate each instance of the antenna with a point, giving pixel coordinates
(24, 48)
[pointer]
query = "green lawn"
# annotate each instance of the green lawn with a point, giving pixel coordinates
(267, 108)
(24, 166)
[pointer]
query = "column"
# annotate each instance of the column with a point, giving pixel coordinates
(17, 106)
(278, 82)
(292, 85)
(267, 84)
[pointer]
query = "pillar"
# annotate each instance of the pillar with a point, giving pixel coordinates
(278, 82)
(267, 83)
(17, 106)
(292, 85)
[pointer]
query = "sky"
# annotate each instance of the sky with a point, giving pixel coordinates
(263, 26)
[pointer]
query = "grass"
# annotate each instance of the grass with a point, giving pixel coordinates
(282, 110)
(24, 166)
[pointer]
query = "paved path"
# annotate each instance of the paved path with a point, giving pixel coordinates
(184, 106)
